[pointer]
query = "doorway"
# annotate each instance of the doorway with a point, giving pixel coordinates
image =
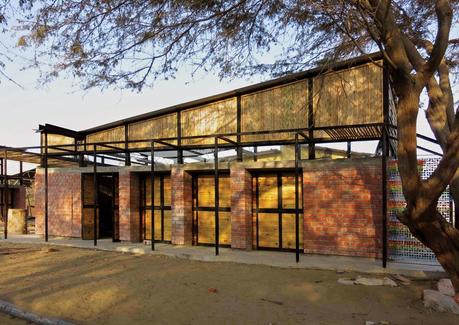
(107, 209)
(204, 210)
(274, 211)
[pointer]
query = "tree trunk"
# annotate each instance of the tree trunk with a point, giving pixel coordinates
(441, 237)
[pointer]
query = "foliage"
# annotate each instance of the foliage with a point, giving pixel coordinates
(131, 43)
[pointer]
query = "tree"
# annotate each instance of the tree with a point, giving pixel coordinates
(130, 43)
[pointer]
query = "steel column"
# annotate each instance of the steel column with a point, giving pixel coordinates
(46, 186)
(127, 154)
(114, 239)
(152, 193)
(384, 197)
(217, 198)
(6, 194)
(96, 198)
(349, 149)
(21, 170)
(384, 144)
(297, 203)
(238, 128)
(179, 139)
(311, 146)
(1, 189)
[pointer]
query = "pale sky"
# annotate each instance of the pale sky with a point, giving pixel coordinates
(63, 103)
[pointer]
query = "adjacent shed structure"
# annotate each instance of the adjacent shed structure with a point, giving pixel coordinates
(111, 181)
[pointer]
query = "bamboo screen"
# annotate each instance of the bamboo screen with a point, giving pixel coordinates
(155, 128)
(279, 108)
(113, 134)
(215, 118)
(348, 97)
(56, 140)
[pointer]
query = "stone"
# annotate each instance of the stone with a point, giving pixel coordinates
(403, 280)
(389, 282)
(212, 290)
(369, 281)
(49, 250)
(347, 282)
(437, 301)
(445, 286)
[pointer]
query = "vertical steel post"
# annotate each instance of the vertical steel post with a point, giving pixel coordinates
(113, 209)
(255, 152)
(349, 149)
(127, 158)
(238, 128)
(311, 145)
(7, 195)
(96, 198)
(384, 144)
(297, 203)
(46, 186)
(217, 197)
(179, 139)
(21, 171)
(384, 197)
(152, 193)
(2, 192)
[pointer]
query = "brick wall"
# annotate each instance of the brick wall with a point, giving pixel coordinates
(129, 197)
(20, 198)
(241, 207)
(343, 207)
(182, 214)
(64, 203)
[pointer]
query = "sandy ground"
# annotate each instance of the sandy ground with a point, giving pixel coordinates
(94, 287)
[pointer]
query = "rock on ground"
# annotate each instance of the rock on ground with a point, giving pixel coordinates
(445, 286)
(440, 302)
(403, 280)
(369, 281)
(348, 282)
(389, 282)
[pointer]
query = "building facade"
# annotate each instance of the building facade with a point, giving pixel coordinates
(166, 173)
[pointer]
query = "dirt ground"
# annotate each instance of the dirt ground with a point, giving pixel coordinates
(94, 287)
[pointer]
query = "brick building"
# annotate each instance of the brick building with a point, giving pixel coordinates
(193, 174)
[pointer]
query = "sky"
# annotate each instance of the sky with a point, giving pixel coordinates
(63, 103)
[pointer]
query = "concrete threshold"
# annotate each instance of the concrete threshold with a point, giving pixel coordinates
(268, 258)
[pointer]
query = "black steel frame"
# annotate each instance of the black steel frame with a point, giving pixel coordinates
(144, 207)
(300, 137)
(280, 210)
(114, 149)
(95, 203)
(196, 208)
